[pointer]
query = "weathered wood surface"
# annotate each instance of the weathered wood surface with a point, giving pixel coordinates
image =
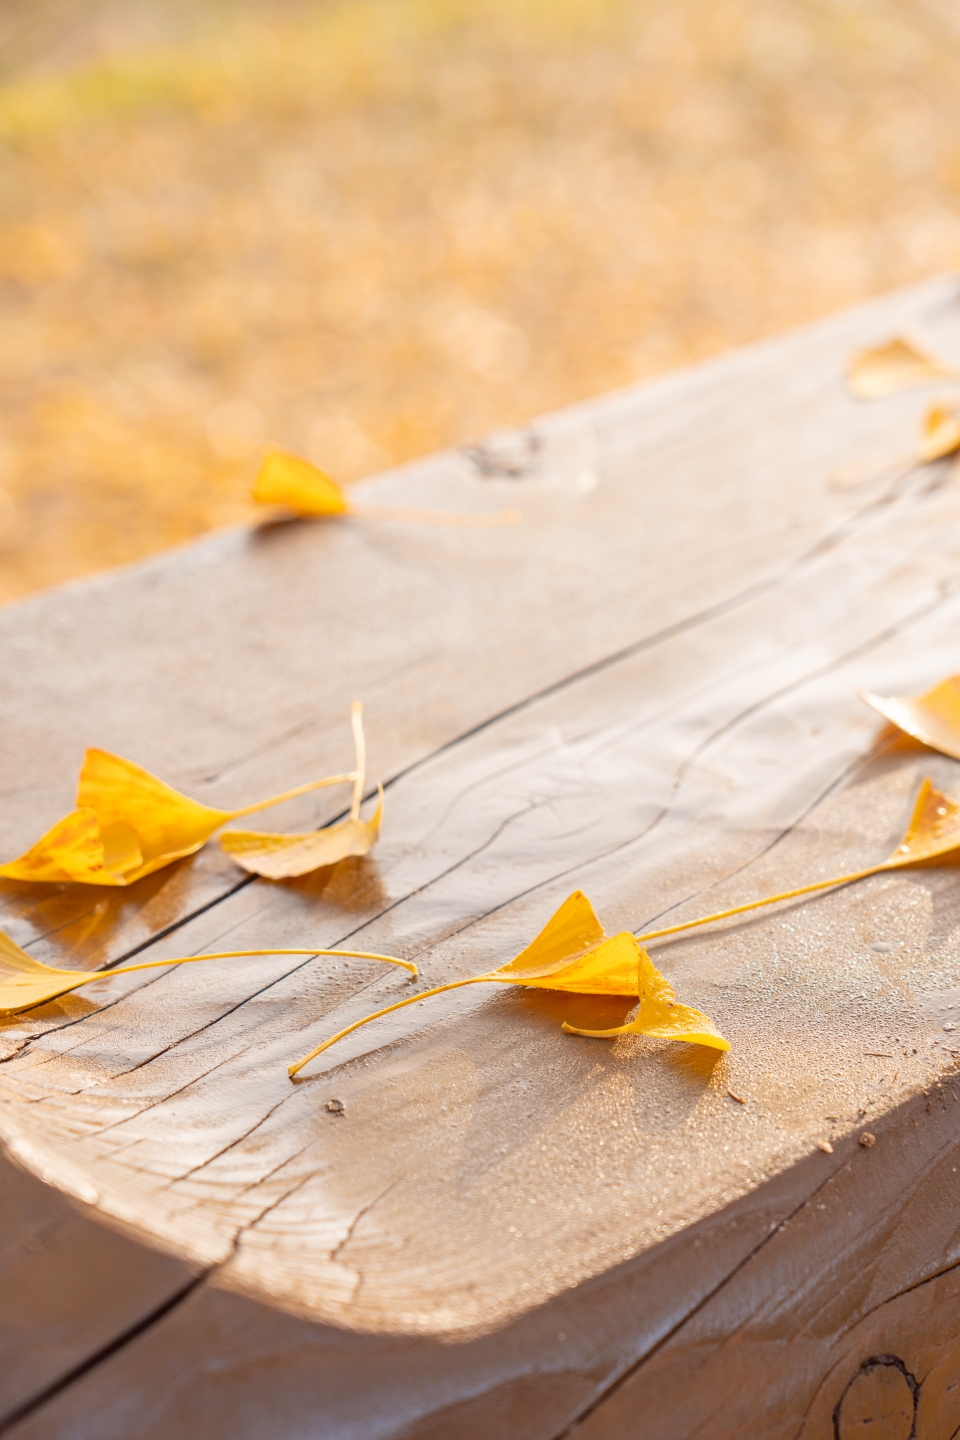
(646, 692)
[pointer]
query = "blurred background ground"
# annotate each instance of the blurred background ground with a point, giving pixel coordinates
(366, 229)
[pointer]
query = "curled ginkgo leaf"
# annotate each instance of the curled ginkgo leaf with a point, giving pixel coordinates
(896, 365)
(572, 953)
(933, 832)
(281, 857)
(932, 718)
(128, 824)
(303, 488)
(661, 1014)
(25, 982)
(940, 432)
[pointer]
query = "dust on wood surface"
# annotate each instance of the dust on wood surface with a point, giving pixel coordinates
(646, 692)
(369, 230)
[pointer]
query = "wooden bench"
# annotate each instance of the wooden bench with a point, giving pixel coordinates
(645, 691)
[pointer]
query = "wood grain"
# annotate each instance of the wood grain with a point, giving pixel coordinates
(649, 695)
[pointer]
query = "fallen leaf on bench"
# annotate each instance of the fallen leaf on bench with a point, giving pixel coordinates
(128, 824)
(26, 982)
(932, 718)
(282, 857)
(660, 1014)
(303, 488)
(940, 435)
(573, 954)
(933, 831)
(896, 365)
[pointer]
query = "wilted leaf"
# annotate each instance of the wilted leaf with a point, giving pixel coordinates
(572, 953)
(896, 365)
(281, 857)
(940, 434)
(25, 982)
(933, 718)
(128, 824)
(303, 488)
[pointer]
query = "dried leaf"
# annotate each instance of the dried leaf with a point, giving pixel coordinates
(128, 824)
(25, 982)
(940, 433)
(573, 954)
(303, 488)
(932, 718)
(281, 857)
(896, 365)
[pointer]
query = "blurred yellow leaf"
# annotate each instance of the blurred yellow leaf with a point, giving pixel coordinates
(128, 824)
(939, 437)
(940, 433)
(281, 857)
(303, 488)
(896, 365)
(25, 982)
(298, 485)
(573, 954)
(932, 718)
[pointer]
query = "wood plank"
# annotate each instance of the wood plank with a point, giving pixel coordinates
(71, 1286)
(254, 644)
(492, 1174)
(270, 1371)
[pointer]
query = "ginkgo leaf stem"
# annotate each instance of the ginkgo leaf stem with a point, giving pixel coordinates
(459, 519)
(398, 1005)
(292, 794)
(228, 954)
(767, 900)
(360, 752)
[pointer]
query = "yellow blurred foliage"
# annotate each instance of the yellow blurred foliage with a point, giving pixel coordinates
(368, 229)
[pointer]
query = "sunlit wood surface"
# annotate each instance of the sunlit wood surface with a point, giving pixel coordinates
(645, 691)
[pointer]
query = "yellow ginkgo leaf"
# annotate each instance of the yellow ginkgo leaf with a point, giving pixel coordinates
(298, 485)
(572, 953)
(940, 432)
(932, 718)
(660, 1014)
(933, 831)
(71, 850)
(281, 857)
(25, 982)
(896, 365)
(128, 824)
(304, 489)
